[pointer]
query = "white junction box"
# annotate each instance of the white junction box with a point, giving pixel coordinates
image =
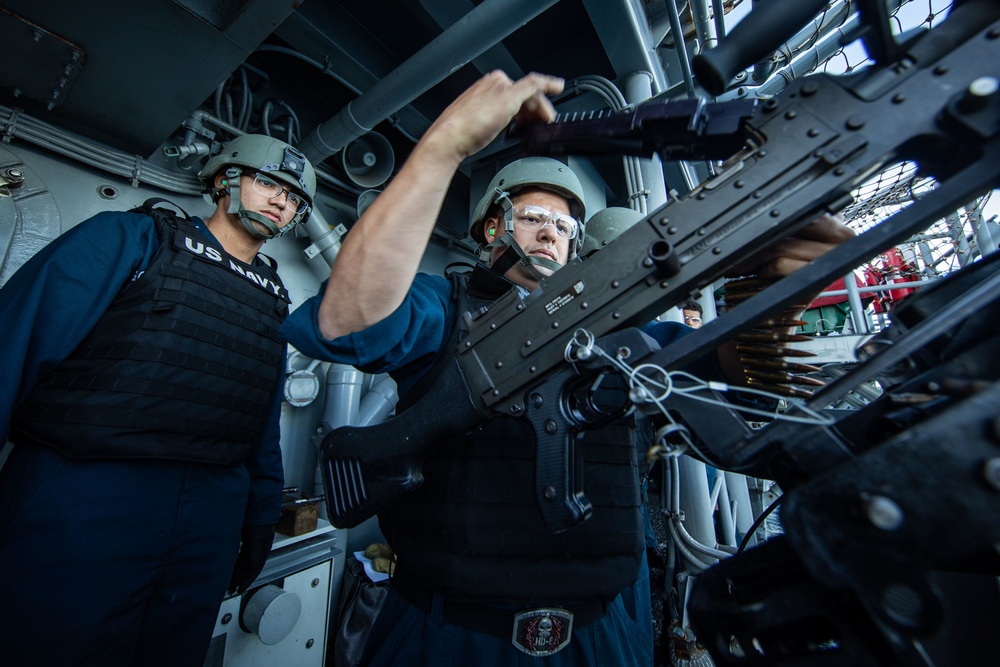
(283, 619)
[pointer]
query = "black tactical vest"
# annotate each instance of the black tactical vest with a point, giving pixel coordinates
(474, 530)
(183, 364)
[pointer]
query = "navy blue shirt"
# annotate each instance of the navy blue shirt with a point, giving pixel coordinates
(405, 343)
(52, 302)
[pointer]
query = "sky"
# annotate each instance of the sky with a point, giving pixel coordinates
(911, 14)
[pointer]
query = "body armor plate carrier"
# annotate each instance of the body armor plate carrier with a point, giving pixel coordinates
(473, 530)
(183, 365)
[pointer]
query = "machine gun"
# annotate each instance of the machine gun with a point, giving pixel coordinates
(851, 532)
(804, 151)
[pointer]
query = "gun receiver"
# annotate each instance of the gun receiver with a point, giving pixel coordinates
(674, 130)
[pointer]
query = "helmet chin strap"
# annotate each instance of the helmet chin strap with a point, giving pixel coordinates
(514, 254)
(249, 217)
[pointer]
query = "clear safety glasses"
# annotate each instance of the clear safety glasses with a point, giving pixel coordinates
(536, 218)
(271, 188)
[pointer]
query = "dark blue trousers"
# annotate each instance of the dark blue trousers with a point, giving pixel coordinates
(405, 636)
(109, 563)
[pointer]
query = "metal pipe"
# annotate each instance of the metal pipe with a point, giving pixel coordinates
(879, 288)
(325, 238)
(813, 31)
(727, 526)
(468, 38)
(719, 16)
(640, 29)
(682, 55)
(713, 497)
(343, 395)
(638, 89)
(808, 60)
(956, 230)
(22, 126)
(858, 318)
(740, 493)
(696, 562)
(378, 403)
(692, 497)
(984, 237)
(686, 538)
(702, 25)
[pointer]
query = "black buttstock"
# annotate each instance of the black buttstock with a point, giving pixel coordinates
(760, 32)
(366, 468)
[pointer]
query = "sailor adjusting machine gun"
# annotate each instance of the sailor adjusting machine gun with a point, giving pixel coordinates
(802, 154)
(931, 99)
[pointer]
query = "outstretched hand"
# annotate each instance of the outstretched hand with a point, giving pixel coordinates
(479, 114)
(790, 254)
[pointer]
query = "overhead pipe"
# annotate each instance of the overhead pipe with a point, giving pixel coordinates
(469, 37)
(858, 318)
(702, 23)
(640, 30)
(673, 15)
(638, 89)
(719, 17)
(980, 226)
(829, 43)
(740, 494)
(836, 14)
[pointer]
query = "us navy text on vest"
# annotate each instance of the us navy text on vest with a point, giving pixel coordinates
(209, 253)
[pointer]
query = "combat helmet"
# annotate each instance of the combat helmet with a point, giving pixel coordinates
(539, 172)
(267, 155)
(605, 225)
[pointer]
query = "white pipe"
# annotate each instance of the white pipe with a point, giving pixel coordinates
(740, 493)
(378, 403)
(694, 500)
(880, 288)
(343, 395)
(696, 562)
(469, 37)
(638, 89)
(727, 527)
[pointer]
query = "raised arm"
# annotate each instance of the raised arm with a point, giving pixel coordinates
(380, 256)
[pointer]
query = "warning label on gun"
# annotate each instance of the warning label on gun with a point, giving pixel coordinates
(564, 298)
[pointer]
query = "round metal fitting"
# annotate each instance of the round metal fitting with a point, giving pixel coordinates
(884, 513)
(271, 614)
(107, 192)
(13, 176)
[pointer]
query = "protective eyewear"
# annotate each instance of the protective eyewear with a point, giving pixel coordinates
(537, 218)
(692, 320)
(271, 188)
